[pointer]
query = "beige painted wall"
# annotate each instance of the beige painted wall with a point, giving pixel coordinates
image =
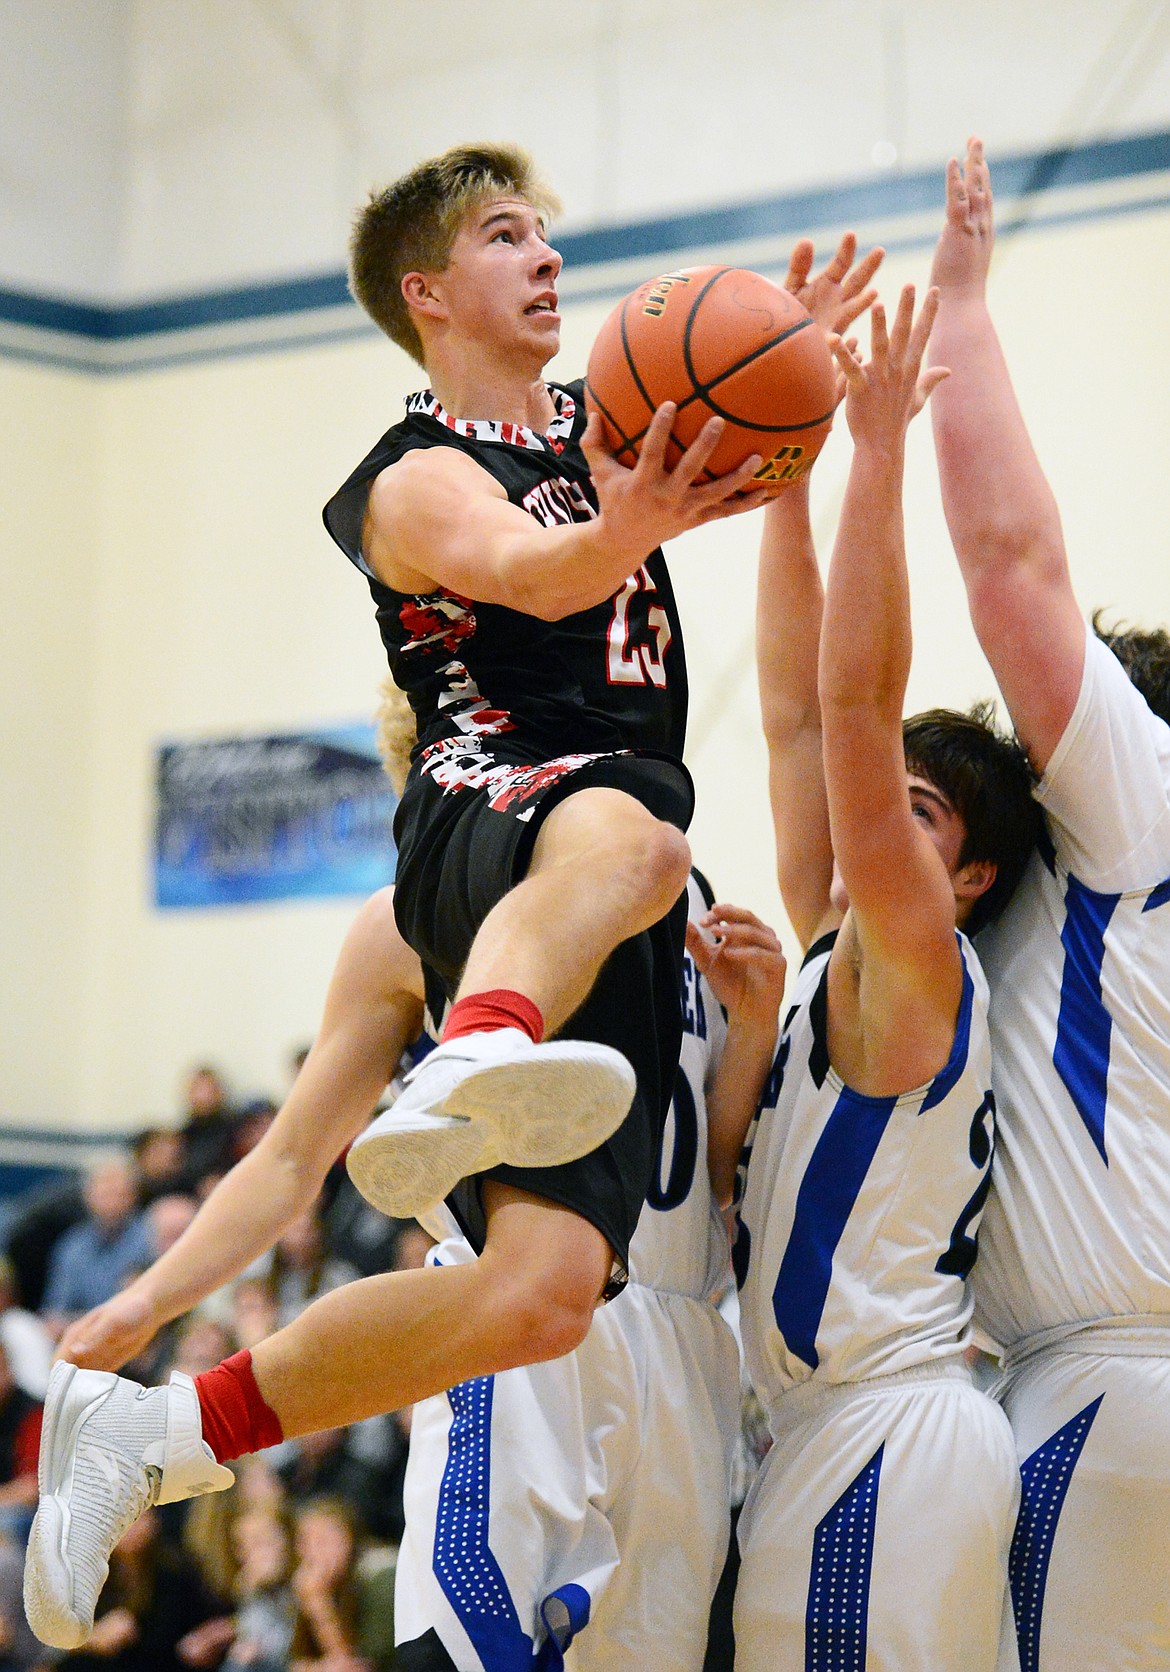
(49, 487)
(164, 575)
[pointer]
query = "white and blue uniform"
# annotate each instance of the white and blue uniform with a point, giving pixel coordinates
(1074, 1271)
(876, 1533)
(584, 1501)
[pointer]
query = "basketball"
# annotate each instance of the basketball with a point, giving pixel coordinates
(722, 342)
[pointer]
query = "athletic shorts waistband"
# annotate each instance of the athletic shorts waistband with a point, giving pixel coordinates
(810, 1398)
(1130, 1335)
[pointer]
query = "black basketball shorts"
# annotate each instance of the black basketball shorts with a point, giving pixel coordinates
(465, 832)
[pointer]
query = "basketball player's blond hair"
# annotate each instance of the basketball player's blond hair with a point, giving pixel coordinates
(410, 226)
(396, 732)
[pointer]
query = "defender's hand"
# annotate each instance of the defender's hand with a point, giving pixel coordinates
(841, 292)
(744, 963)
(962, 255)
(885, 394)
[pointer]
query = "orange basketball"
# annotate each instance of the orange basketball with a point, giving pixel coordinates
(722, 341)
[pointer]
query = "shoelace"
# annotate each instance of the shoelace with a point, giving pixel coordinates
(142, 1497)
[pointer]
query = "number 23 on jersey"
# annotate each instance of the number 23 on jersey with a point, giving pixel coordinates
(638, 639)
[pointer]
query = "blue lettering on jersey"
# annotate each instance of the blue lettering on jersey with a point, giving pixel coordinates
(682, 1124)
(741, 1253)
(741, 1243)
(959, 1256)
(824, 1202)
(770, 1095)
(1083, 1027)
(694, 1011)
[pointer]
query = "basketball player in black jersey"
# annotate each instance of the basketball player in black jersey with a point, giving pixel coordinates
(527, 610)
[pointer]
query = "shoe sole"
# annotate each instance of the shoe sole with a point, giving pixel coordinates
(48, 1576)
(540, 1111)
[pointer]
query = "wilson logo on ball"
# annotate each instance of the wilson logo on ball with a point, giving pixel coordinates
(789, 464)
(655, 303)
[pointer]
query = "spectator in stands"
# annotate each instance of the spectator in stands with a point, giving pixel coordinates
(41, 1219)
(202, 1343)
(208, 1126)
(255, 1311)
(252, 1122)
(152, 1600)
(325, 1464)
(257, 1634)
(345, 1611)
(92, 1261)
(266, 1614)
(159, 1159)
(169, 1217)
(20, 1439)
(382, 1444)
(19, 1649)
(208, 1530)
(356, 1232)
(24, 1339)
(303, 1268)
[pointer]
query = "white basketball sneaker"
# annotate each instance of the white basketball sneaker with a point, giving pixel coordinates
(109, 1449)
(484, 1099)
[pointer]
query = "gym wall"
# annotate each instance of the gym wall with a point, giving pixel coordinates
(165, 575)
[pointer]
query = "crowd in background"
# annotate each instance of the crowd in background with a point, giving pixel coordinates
(293, 1569)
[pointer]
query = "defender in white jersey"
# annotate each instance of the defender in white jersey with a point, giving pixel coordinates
(592, 1491)
(620, 1446)
(876, 1533)
(1074, 1271)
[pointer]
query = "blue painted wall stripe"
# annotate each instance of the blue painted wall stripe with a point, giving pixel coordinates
(1084, 1026)
(1024, 175)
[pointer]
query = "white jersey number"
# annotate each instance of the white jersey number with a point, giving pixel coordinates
(635, 663)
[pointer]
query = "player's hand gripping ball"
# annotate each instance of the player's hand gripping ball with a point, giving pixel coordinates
(719, 341)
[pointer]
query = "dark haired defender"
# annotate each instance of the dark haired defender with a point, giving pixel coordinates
(876, 1534)
(1074, 1270)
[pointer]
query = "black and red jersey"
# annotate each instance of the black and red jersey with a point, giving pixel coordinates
(609, 677)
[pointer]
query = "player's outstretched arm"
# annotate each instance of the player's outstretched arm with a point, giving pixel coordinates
(1000, 509)
(898, 958)
(436, 518)
(789, 602)
(788, 627)
(373, 1010)
(744, 963)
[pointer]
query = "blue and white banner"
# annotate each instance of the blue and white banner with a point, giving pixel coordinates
(293, 816)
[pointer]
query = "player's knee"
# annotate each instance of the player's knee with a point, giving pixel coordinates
(660, 860)
(546, 1316)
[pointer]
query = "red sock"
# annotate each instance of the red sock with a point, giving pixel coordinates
(236, 1418)
(498, 1007)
